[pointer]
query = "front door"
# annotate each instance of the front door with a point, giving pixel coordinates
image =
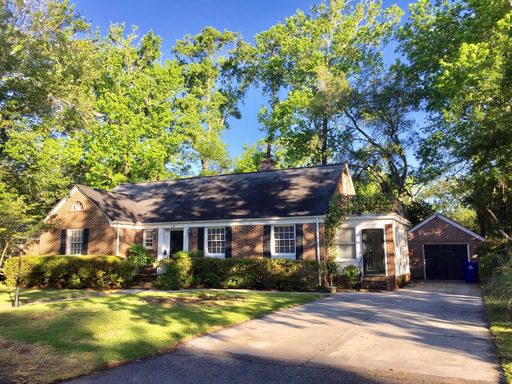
(373, 251)
(176, 242)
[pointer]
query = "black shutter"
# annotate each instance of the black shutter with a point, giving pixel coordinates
(200, 239)
(266, 241)
(85, 241)
(63, 234)
(229, 235)
(299, 242)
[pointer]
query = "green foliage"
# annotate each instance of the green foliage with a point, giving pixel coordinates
(313, 59)
(44, 101)
(342, 206)
(464, 79)
(135, 136)
(492, 255)
(331, 268)
(212, 63)
(349, 277)
(182, 271)
(17, 225)
(176, 272)
(451, 197)
(69, 272)
(139, 256)
(418, 210)
(281, 274)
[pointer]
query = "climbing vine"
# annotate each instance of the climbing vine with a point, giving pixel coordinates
(340, 207)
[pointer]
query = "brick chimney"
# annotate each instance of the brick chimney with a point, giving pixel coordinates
(267, 163)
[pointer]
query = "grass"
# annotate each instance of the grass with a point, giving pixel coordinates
(45, 342)
(28, 296)
(501, 328)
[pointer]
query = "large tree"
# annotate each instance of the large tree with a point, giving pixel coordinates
(320, 55)
(44, 98)
(134, 136)
(379, 132)
(465, 79)
(214, 85)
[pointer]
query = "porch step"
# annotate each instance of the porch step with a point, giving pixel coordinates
(143, 285)
(145, 277)
(374, 283)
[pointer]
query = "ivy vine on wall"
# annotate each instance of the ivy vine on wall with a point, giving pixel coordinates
(340, 207)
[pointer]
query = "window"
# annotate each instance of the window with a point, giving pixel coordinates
(76, 241)
(346, 241)
(77, 206)
(215, 241)
(283, 241)
(148, 238)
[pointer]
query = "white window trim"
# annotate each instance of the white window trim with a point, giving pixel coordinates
(81, 206)
(68, 241)
(273, 253)
(354, 243)
(215, 255)
(144, 238)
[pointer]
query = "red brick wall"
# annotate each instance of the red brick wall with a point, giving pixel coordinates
(247, 241)
(436, 231)
(390, 256)
(102, 237)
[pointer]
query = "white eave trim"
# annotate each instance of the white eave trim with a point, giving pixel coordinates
(63, 201)
(451, 222)
(60, 203)
(389, 216)
(223, 223)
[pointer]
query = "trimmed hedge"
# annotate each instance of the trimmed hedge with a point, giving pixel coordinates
(70, 272)
(280, 274)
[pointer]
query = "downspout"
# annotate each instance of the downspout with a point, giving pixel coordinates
(317, 243)
(117, 241)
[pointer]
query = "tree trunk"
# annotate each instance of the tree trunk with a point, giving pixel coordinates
(4, 252)
(324, 140)
(204, 164)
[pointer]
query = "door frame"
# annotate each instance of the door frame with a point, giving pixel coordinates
(383, 229)
(444, 243)
(182, 238)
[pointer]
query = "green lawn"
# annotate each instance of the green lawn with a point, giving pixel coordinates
(41, 343)
(501, 327)
(34, 295)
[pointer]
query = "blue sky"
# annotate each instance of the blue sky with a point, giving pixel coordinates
(172, 19)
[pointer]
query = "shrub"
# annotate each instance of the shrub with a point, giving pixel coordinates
(278, 274)
(349, 277)
(492, 254)
(176, 272)
(138, 256)
(69, 271)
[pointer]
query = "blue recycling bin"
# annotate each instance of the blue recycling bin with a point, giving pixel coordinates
(471, 272)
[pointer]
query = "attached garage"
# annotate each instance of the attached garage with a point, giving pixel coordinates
(438, 248)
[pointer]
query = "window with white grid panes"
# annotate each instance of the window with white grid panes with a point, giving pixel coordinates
(216, 241)
(283, 241)
(76, 241)
(346, 243)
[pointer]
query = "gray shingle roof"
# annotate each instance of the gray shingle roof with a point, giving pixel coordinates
(281, 193)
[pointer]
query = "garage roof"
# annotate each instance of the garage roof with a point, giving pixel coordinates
(451, 222)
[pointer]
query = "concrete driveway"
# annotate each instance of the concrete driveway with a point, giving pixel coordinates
(427, 333)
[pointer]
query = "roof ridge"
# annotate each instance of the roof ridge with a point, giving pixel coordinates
(229, 174)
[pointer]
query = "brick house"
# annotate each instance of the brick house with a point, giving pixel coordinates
(271, 213)
(438, 248)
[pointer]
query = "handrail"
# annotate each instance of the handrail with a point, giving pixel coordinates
(361, 274)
